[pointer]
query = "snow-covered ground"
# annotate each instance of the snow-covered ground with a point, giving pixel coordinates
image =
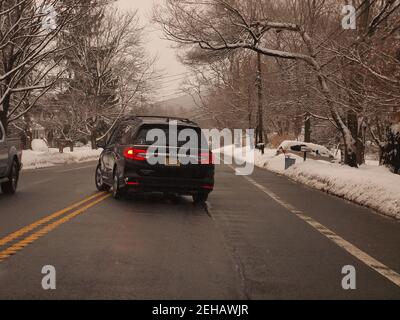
(42, 158)
(370, 185)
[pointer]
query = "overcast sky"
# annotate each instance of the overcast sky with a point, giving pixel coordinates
(167, 60)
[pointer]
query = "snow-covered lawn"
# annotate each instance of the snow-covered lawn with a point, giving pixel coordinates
(370, 185)
(51, 157)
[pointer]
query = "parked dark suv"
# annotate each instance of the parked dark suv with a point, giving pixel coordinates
(10, 162)
(127, 162)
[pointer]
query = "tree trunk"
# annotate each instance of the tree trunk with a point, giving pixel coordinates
(93, 139)
(362, 138)
(350, 156)
(307, 128)
(260, 136)
(60, 146)
(352, 124)
(4, 112)
(381, 151)
(27, 139)
(3, 119)
(365, 14)
(350, 147)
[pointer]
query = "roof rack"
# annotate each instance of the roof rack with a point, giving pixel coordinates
(168, 118)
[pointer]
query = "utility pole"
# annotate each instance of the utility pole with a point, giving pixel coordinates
(260, 123)
(355, 77)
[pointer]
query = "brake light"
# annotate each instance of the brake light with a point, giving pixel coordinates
(206, 158)
(135, 154)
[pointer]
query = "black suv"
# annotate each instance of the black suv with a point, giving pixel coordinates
(126, 165)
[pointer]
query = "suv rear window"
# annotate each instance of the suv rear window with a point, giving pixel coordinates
(142, 136)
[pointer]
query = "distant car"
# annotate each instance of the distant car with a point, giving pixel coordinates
(10, 162)
(125, 164)
(314, 151)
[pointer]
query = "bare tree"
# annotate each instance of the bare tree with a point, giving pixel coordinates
(28, 67)
(221, 25)
(108, 69)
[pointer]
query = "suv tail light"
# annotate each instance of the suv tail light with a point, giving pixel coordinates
(206, 158)
(135, 154)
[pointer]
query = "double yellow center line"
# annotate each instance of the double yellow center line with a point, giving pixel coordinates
(47, 224)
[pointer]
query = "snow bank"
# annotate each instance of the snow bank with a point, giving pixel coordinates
(39, 145)
(37, 159)
(374, 187)
(370, 185)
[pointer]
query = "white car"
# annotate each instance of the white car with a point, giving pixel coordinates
(313, 151)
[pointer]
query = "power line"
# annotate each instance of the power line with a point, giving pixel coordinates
(171, 94)
(177, 94)
(170, 76)
(169, 81)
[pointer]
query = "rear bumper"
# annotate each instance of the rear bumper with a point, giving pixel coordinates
(181, 186)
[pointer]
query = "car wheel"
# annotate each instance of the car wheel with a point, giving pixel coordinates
(10, 187)
(200, 198)
(117, 191)
(100, 185)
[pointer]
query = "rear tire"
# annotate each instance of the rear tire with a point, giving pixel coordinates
(10, 187)
(200, 198)
(117, 191)
(100, 185)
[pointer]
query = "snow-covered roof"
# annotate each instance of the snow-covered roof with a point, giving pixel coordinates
(315, 149)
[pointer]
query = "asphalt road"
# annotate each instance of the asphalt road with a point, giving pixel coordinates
(260, 238)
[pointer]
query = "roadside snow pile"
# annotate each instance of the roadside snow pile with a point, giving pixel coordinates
(39, 145)
(372, 186)
(38, 159)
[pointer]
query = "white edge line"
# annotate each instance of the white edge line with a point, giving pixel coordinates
(371, 262)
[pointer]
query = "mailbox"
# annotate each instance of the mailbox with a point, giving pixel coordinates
(289, 162)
